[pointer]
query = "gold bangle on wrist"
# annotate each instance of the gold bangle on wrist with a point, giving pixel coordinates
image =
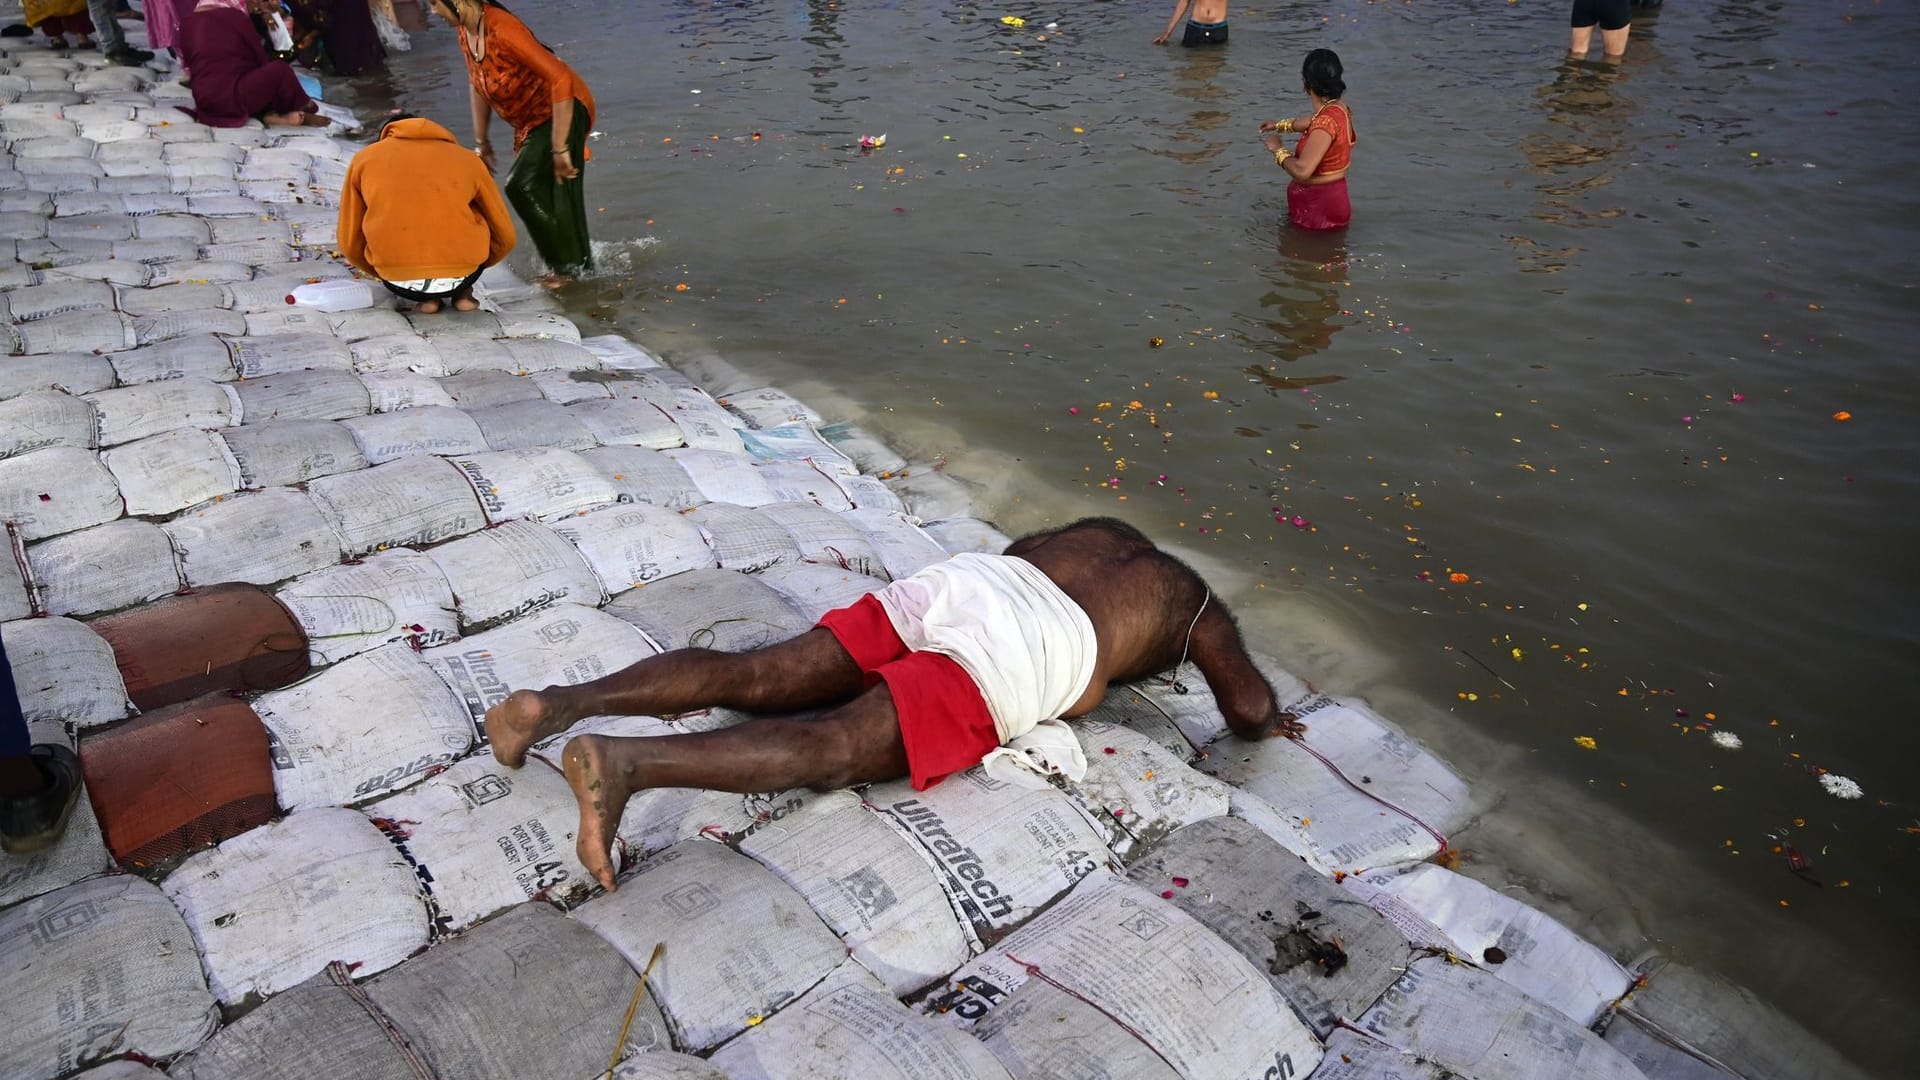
(1280, 156)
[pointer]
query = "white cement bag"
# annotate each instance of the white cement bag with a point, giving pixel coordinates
(44, 418)
(744, 539)
(1184, 699)
(321, 1029)
(1136, 792)
(1393, 800)
(391, 392)
(397, 595)
(272, 354)
(768, 407)
(362, 324)
(282, 321)
(75, 373)
(199, 356)
(1151, 967)
(544, 354)
(303, 395)
(82, 331)
(563, 645)
(543, 484)
(868, 885)
(931, 494)
(964, 534)
(704, 425)
(163, 473)
(726, 477)
(803, 481)
(80, 852)
(396, 353)
(65, 673)
(850, 1028)
(104, 568)
(797, 442)
(272, 906)
(414, 501)
(1693, 1016)
(167, 298)
(156, 251)
(260, 536)
(475, 356)
(1039, 1031)
(240, 230)
(658, 388)
(426, 429)
(99, 968)
(710, 609)
(361, 728)
(148, 329)
(56, 490)
(631, 545)
(740, 945)
(1353, 1056)
(644, 476)
(1468, 1021)
(627, 422)
(524, 425)
(168, 226)
(1542, 958)
(291, 451)
(198, 272)
(566, 387)
(41, 301)
(1001, 852)
(13, 592)
(135, 412)
(112, 225)
(826, 537)
(666, 1065)
(538, 324)
(514, 568)
(224, 206)
(481, 389)
(904, 549)
(872, 495)
(814, 589)
(487, 837)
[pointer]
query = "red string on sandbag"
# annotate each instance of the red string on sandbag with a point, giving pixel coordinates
(1408, 814)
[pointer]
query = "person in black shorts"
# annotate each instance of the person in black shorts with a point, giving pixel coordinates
(1615, 19)
(1207, 24)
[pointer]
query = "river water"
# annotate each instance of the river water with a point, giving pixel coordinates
(1586, 344)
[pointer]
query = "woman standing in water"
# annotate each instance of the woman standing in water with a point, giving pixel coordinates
(550, 110)
(1317, 165)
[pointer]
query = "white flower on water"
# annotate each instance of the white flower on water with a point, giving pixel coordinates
(1725, 740)
(1840, 787)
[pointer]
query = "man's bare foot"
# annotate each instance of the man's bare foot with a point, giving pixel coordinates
(428, 307)
(553, 281)
(526, 717)
(315, 120)
(603, 795)
(466, 303)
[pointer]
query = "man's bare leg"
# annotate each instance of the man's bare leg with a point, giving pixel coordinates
(857, 743)
(1614, 42)
(800, 673)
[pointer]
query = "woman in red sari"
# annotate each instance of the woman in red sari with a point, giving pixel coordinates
(1317, 165)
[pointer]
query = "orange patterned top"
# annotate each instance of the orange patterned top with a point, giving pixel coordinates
(1338, 124)
(520, 77)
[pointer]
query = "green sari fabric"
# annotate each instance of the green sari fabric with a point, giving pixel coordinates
(555, 214)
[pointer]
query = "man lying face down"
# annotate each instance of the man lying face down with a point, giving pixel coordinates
(929, 675)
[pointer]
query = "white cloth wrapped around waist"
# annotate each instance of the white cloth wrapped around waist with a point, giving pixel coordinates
(1028, 647)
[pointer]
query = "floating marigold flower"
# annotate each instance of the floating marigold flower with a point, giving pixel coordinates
(1458, 578)
(1843, 416)
(682, 287)
(1585, 742)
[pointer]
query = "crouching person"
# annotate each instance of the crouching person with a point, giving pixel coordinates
(234, 80)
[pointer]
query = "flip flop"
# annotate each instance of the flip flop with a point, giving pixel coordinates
(31, 823)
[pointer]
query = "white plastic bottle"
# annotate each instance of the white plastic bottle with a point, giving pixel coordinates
(278, 32)
(340, 294)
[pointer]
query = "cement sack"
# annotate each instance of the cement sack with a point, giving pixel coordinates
(710, 609)
(826, 537)
(870, 454)
(704, 425)
(1465, 1020)
(486, 837)
(303, 395)
(666, 1065)
(281, 171)
(113, 131)
(904, 549)
(198, 356)
(797, 442)
(850, 1028)
(963, 534)
(24, 128)
(1152, 968)
(643, 476)
(414, 501)
(144, 196)
(1384, 805)
(224, 206)
(546, 354)
(396, 354)
(1330, 957)
(19, 206)
(1123, 707)
(814, 590)
(871, 494)
(80, 853)
(96, 969)
(168, 298)
(868, 885)
(657, 388)
(163, 473)
(273, 906)
(44, 418)
(1695, 1016)
(473, 355)
(107, 225)
(239, 230)
(768, 407)
(168, 226)
(148, 329)
(391, 596)
(64, 673)
(740, 945)
(529, 994)
(23, 224)
(567, 387)
(744, 539)
(260, 536)
(525, 425)
(538, 324)
(122, 1069)
(1136, 792)
(543, 484)
(726, 477)
(460, 325)
(322, 1029)
(14, 275)
(104, 568)
(361, 324)
(481, 389)
(627, 422)
(1001, 852)
(75, 373)
(82, 331)
(1040, 1033)
(563, 645)
(931, 494)
(393, 392)
(1353, 1056)
(263, 253)
(195, 272)
(1182, 696)
(72, 268)
(13, 592)
(284, 452)
(506, 571)
(56, 490)
(41, 301)
(803, 481)
(65, 251)
(1540, 956)
(73, 204)
(273, 354)
(361, 728)
(628, 546)
(427, 429)
(187, 153)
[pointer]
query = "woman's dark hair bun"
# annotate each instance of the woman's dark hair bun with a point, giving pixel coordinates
(1322, 72)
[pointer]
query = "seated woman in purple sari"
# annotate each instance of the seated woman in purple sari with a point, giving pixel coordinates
(234, 80)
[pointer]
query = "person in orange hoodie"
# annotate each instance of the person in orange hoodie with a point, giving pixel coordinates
(421, 213)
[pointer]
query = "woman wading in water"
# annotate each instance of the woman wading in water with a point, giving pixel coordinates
(550, 110)
(1317, 165)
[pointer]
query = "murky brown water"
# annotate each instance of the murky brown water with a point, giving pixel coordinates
(1520, 365)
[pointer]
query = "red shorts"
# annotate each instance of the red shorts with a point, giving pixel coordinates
(943, 719)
